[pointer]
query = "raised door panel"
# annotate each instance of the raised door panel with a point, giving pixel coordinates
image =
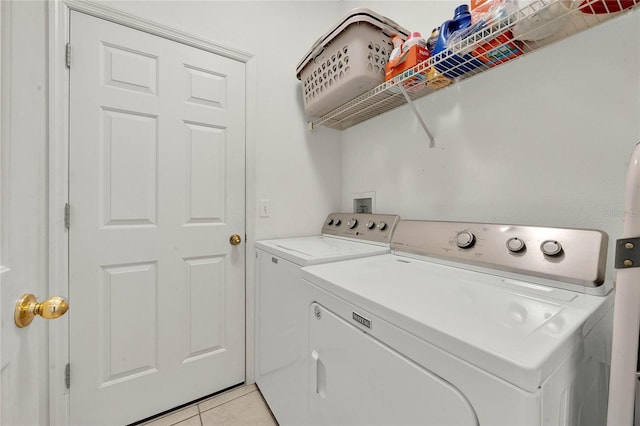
(127, 69)
(129, 343)
(205, 174)
(205, 281)
(206, 87)
(130, 168)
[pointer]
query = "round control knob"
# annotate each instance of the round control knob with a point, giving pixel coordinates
(465, 239)
(515, 244)
(551, 247)
(329, 221)
(352, 223)
(338, 222)
(370, 224)
(382, 226)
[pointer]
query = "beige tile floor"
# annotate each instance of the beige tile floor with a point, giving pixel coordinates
(241, 406)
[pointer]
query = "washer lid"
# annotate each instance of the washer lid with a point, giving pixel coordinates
(319, 249)
(516, 330)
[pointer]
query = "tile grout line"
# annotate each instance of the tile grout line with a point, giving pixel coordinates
(184, 420)
(226, 402)
(197, 405)
(169, 414)
(220, 395)
(199, 412)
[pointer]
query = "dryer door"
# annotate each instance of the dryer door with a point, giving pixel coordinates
(358, 380)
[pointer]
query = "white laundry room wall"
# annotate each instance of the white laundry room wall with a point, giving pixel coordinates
(541, 140)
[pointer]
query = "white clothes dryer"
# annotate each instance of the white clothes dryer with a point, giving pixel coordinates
(282, 302)
(463, 324)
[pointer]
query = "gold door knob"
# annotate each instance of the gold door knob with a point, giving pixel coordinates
(28, 307)
(235, 239)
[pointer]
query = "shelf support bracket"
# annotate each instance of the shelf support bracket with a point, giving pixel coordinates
(418, 116)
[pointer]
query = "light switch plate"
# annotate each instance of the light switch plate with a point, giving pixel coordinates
(265, 208)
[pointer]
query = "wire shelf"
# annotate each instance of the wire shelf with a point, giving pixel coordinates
(459, 64)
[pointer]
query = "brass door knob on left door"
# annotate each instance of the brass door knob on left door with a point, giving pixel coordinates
(28, 307)
(235, 239)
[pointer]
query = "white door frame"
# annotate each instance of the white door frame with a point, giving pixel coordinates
(58, 113)
(1, 245)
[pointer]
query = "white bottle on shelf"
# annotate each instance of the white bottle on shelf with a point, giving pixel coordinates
(414, 38)
(397, 48)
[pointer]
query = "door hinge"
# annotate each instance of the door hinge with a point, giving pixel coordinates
(67, 215)
(68, 55)
(67, 376)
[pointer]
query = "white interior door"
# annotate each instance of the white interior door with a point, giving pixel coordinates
(156, 189)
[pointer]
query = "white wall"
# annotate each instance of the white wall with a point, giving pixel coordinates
(542, 140)
(414, 15)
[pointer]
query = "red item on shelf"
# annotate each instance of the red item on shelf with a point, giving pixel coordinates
(606, 6)
(499, 49)
(406, 60)
(480, 8)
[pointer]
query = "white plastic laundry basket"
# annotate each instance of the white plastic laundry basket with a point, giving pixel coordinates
(347, 61)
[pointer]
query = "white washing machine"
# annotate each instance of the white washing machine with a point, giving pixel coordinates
(463, 324)
(282, 302)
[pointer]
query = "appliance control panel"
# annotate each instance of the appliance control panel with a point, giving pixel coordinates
(363, 226)
(572, 255)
